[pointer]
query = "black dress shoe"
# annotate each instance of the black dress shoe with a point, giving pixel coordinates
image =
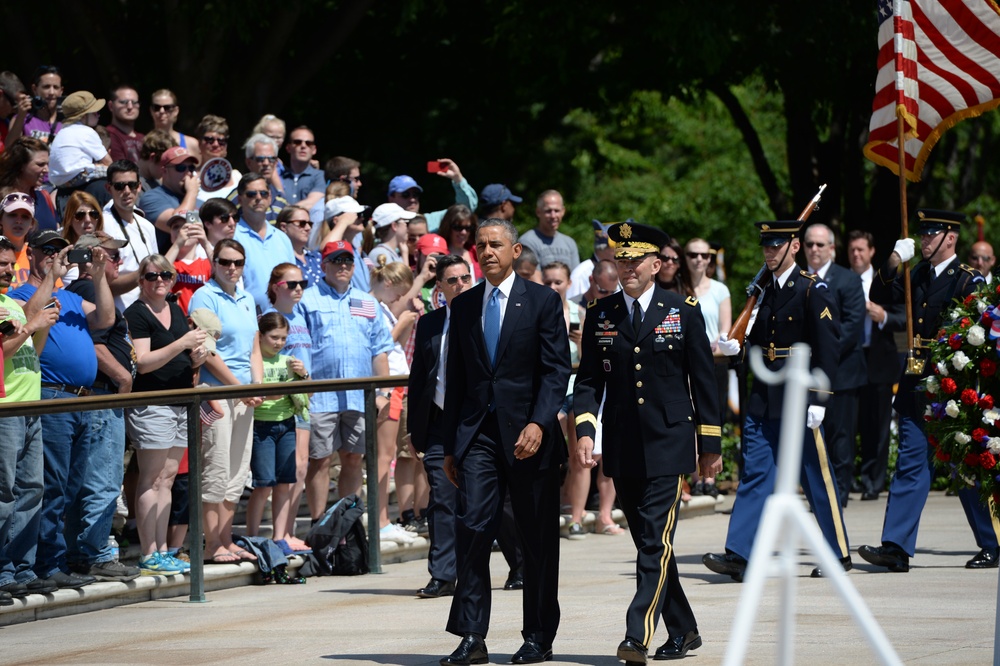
(436, 588)
(472, 650)
(678, 646)
(632, 651)
(728, 564)
(41, 586)
(6, 599)
(891, 557)
(988, 558)
(515, 581)
(866, 496)
(14, 589)
(857, 487)
(532, 653)
(844, 562)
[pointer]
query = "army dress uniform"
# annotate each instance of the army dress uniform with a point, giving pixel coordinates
(801, 309)
(933, 290)
(661, 408)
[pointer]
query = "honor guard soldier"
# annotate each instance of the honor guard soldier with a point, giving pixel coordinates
(646, 353)
(795, 306)
(935, 283)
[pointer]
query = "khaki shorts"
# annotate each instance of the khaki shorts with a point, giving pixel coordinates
(336, 431)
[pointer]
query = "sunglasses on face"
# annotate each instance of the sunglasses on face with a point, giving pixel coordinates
(48, 250)
(292, 284)
(127, 102)
(218, 140)
(303, 142)
(226, 263)
(16, 196)
(356, 179)
(229, 217)
(304, 224)
(121, 185)
(466, 279)
(80, 214)
(114, 255)
(341, 261)
(815, 244)
(261, 159)
(698, 255)
(670, 260)
(256, 194)
(162, 275)
(466, 229)
(412, 194)
(184, 168)
(159, 108)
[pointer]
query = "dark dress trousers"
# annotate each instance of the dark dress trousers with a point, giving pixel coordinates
(931, 296)
(487, 406)
(661, 410)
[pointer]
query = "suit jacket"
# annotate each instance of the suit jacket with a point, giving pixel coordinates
(423, 375)
(851, 371)
(528, 384)
(804, 310)
(659, 384)
(883, 356)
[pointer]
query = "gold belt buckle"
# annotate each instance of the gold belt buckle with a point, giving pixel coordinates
(770, 353)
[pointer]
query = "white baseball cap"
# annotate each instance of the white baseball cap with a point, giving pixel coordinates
(388, 213)
(335, 207)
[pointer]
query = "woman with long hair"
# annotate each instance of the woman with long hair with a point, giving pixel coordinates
(670, 263)
(24, 166)
(458, 228)
(164, 109)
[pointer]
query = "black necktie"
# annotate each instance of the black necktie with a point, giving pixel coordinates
(636, 316)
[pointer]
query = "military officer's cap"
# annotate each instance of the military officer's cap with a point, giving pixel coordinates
(935, 221)
(773, 234)
(632, 240)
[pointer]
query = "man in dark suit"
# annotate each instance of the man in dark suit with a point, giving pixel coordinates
(934, 283)
(645, 351)
(424, 421)
(795, 306)
(883, 361)
(850, 372)
(508, 368)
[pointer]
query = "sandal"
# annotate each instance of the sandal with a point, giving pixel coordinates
(224, 558)
(244, 555)
(611, 529)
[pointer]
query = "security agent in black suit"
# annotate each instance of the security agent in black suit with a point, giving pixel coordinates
(508, 368)
(645, 350)
(851, 372)
(884, 367)
(425, 421)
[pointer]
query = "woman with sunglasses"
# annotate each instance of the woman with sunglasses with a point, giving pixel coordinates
(24, 166)
(164, 109)
(166, 352)
(458, 227)
(716, 308)
(17, 220)
(213, 142)
(82, 216)
(284, 290)
(670, 259)
(226, 443)
(294, 221)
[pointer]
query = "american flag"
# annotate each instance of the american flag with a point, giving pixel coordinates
(362, 307)
(938, 63)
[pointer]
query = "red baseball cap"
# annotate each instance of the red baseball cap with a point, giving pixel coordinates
(335, 249)
(429, 244)
(176, 155)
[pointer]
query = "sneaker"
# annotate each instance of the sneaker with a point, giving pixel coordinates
(157, 565)
(576, 532)
(113, 570)
(395, 534)
(422, 528)
(176, 562)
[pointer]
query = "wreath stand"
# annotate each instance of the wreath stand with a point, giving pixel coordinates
(785, 522)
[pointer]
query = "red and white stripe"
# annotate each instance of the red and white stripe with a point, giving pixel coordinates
(938, 63)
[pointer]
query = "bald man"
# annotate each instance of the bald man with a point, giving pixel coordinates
(981, 258)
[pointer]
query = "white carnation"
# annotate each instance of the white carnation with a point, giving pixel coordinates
(982, 306)
(942, 368)
(957, 314)
(990, 416)
(976, 335)
(994, 445)
(969, 481)
(962, 438)
(932, 385)
(952, 409)
(960, 360)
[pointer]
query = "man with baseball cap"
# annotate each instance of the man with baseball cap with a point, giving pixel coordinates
(342, 214)
(351, 340)
(498, 201)
(405, 192)
(390, 229)
(178, 189)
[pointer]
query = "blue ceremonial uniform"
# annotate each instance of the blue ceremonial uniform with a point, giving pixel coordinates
(803, 310)
(914, 466)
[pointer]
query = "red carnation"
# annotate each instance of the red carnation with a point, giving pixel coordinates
(942, 455)
(966, 322)
(988, 367)
(986, 402)
(968, 299)
(987, 460)
(948, 385)
(969, 396)
(955, 341)
(932, 440)
(980, 435)
(971, 459)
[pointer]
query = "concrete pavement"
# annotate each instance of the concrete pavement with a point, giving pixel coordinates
(938, 613)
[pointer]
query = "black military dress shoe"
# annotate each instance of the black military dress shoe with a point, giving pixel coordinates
(6, 599)
(844, 562)
(728, 564)
(891, 557)
(678, 646)
(436, 588)
(472, 650)
(632, 651)
(867, 496)
(71, 581)
(532, 653)
(515, 581)
(988, 558)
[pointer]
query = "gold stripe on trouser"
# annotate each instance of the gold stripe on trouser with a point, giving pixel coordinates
(831, 491)
(649, 624)
(993, 519)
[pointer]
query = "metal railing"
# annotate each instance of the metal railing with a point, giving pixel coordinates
(192, 399)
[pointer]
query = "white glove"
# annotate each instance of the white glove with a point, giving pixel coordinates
(814, 417)
(904, 247)
(728, 347)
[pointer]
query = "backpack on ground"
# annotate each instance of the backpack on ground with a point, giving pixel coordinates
(339, 542)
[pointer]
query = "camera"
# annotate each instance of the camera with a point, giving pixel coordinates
(79, 256)
(37, 105)
(192, 217)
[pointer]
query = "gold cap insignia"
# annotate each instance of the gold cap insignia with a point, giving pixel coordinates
(625, 230)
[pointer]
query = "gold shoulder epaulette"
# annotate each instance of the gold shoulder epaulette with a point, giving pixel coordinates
(967, 268)
(592, 304)
(807, 274)
(691, 300)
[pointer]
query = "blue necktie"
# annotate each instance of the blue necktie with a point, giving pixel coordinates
(491, 324)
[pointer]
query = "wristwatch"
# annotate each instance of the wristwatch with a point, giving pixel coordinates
(385, 394)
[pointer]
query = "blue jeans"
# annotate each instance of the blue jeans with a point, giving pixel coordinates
(272, 460)
(20, 496)
(105, 470)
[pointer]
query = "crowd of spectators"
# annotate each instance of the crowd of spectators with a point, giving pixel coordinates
(137, 262)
